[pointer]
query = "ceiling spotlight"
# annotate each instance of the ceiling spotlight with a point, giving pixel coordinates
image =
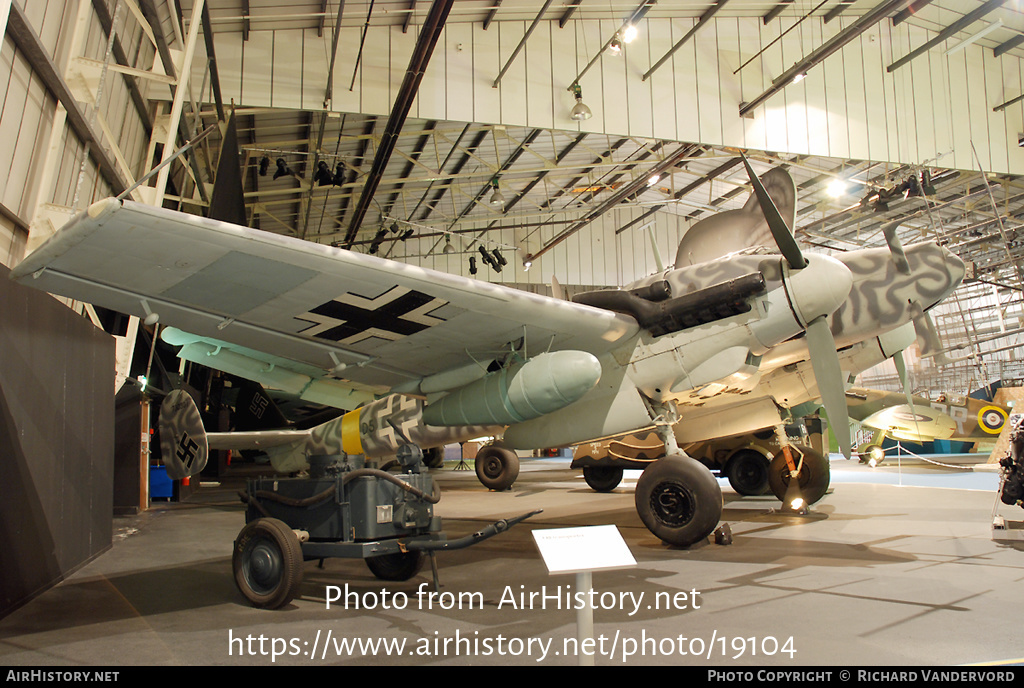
(926, 183)
(526, 264)
(378, 240)
(497, 199)
(407, 233)
(836, 188)
(448, 248)
(472, 265)
(615, 46)
(579, 111)
(339, 174)
(629, 34)
(264, 166)
(499, 259)
(654, 179)
(323, 176)
(799, 77)
(282, 169)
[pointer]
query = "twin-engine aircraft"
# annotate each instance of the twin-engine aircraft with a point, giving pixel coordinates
(446, 358)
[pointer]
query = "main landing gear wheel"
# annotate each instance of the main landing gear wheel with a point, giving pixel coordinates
(813, 478)
(400, 566)
(602, 478)
(497, 467)
(267, 562)
(747, 471)
(679, 500)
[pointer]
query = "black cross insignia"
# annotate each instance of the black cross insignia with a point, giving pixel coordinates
(341, 320)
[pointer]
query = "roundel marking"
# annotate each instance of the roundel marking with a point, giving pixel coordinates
(991, 419)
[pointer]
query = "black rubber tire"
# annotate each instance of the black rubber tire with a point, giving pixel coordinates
(602, 478)
(813, 479)
(747, 471)
(267, 562)
(434, 457)
(497, 467)
(400, 566)
(679, 500)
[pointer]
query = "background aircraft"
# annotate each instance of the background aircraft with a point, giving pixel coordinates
(457, 358)
(948, 417)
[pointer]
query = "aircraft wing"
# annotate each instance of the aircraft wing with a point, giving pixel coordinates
(387, 323)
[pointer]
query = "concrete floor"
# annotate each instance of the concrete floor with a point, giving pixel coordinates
(877, 574)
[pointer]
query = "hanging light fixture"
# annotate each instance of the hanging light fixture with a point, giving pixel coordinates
(629, 34)
(323, 176)
(615, 46)
(264, 166)
(282, 169)
(497, 199)
(448, 248)
(579, 111)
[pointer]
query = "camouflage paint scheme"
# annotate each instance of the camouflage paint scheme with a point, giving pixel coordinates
(966, 419)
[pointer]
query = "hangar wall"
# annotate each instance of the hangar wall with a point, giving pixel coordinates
(932, 109)
(45, 133)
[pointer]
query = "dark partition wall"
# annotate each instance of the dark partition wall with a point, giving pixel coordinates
(56, 441)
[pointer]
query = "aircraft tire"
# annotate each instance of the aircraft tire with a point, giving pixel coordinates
(267, 563)
(602, 478)
(814, 475)
(400, 566)
(497, 467)
(747, 471)
(679, 500)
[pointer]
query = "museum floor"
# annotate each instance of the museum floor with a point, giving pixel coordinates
(896, 566)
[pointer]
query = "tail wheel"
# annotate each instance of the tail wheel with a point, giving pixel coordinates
(400, 566)
(747, 471)
(267, 562)
(813, 479)
(679, 500)
(497, 467)
(602, 478)
(434, 457)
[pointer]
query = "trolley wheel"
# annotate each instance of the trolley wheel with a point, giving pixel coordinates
(400, 566)
(267, 562)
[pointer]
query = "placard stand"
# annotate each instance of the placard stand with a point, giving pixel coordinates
(583, 551)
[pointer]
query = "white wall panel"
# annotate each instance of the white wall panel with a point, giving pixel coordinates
(347, 97)
(458, 47)
(486, 104)
(684, 64)
(374, 79)
(754, 131)
(513, 83)
(657, 39)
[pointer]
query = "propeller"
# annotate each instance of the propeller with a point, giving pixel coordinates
(901, 369)
(784, 238)
(820, 343)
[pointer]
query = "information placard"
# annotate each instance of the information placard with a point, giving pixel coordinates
(588, 548)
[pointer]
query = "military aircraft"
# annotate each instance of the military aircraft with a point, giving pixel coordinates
(947, 417)
(456, 358)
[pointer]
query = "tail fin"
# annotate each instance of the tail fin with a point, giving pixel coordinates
(182, 436)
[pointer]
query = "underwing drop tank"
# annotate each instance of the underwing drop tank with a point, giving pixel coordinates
(520, 392)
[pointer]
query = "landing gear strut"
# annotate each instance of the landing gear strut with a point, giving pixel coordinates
(677, 498)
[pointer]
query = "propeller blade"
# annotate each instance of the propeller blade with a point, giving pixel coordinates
(899, 258)
(780, 230)
(901, 369)
(928, 336)
(829, 375)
